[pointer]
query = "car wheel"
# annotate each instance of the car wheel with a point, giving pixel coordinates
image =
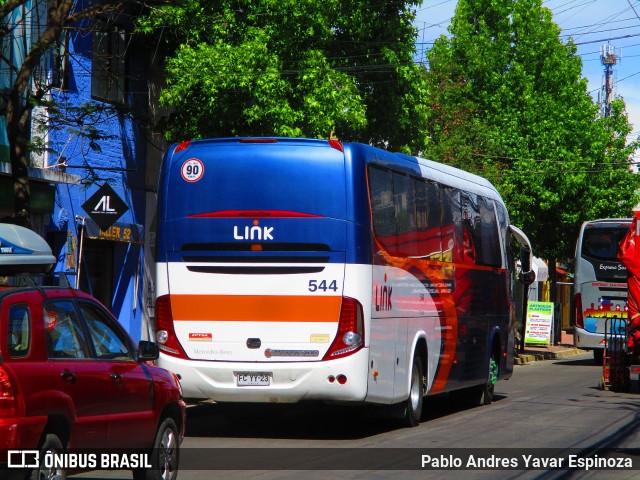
(413, 405)
(50, 443)
(165, 454)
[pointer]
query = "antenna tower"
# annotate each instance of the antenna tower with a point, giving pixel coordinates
(608, 58)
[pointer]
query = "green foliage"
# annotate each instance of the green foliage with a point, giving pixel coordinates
(509, 102)
(291, 68)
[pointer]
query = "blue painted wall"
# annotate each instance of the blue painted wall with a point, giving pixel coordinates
(120, 162)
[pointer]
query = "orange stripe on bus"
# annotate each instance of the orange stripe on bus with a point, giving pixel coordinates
(256, 308)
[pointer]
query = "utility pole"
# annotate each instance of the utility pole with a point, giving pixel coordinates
(608, 58)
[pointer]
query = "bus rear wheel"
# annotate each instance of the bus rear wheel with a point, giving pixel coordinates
(412, 407)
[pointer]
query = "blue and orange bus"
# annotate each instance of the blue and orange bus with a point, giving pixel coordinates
(302, 269)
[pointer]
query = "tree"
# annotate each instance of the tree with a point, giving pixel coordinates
(30, 85)
(292, 68)
(509, 102)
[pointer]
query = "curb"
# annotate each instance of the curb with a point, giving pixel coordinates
(521, 359)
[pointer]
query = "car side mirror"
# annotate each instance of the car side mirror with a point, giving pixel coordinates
(148, 351)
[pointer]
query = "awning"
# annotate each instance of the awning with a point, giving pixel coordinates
(541, 270)
(118, 232)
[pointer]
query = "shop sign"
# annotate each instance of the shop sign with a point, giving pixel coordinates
(539, 323)
(105, 207)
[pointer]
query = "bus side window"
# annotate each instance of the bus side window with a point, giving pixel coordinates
(451, 225)
(383, 208)
(406, 241)
(489, 234)
(429, 218)
(503, 224)
(470, 221)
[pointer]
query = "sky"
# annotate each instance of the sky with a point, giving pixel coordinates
(593, 24)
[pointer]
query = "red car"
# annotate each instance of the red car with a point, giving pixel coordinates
(71, 379)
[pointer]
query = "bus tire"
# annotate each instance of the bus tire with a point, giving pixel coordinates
(412, 407)
(486, 391)
(480, 394)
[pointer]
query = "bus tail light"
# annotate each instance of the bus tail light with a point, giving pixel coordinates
(578, 307)
(165, 333)
(182, 146)
(350, 336)
(337, 144)
(8, 400)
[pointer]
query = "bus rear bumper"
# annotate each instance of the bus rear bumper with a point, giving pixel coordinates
(587, 340)
(289, 382)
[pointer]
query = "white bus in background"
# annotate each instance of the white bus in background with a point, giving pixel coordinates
(600, 283)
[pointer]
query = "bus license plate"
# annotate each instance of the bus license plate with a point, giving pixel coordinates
(254, 379)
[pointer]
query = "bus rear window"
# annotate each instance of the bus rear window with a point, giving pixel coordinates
(602, 243)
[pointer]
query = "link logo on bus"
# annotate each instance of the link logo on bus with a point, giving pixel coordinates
(383, 297)
(252, 233)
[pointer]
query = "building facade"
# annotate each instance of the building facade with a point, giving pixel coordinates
(99, 148)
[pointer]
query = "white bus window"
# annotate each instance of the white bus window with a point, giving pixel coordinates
(602, 243)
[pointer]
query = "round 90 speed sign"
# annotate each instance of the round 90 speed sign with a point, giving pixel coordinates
(192, 170)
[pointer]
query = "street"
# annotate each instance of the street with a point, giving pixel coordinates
(552, 405)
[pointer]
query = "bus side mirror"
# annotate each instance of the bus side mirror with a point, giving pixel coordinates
(527, 276)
